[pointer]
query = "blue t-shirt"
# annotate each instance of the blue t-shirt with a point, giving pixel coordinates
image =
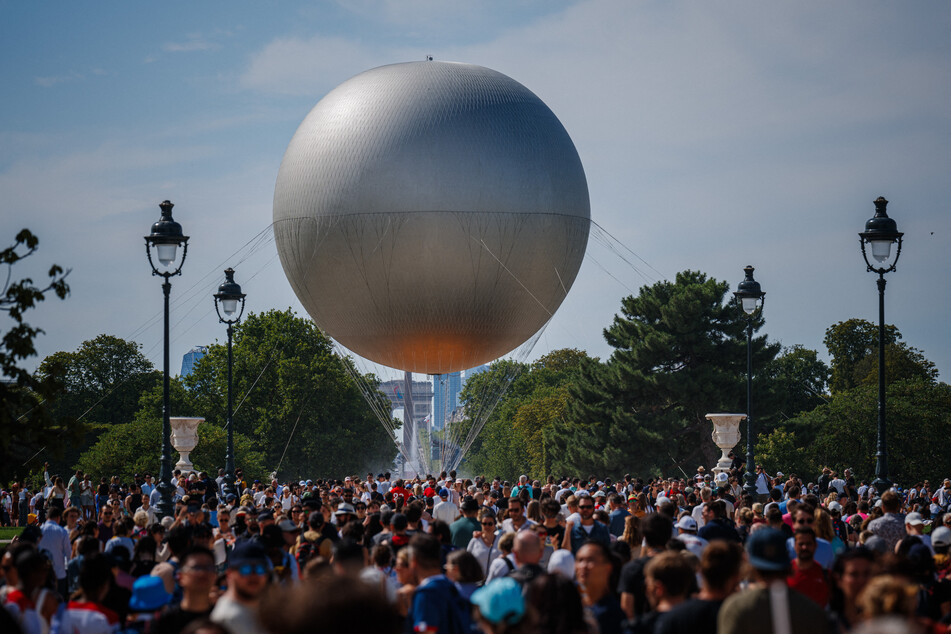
(437, 603)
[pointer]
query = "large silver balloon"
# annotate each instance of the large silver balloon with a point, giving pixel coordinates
(431, 216)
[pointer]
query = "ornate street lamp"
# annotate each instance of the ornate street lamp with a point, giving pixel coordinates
(751, 298)
(227, 298)
(881, 233)
(165, 239)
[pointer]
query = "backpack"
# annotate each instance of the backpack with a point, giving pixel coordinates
(308, 550)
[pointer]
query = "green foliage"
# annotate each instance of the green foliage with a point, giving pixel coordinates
(843, 432)
(128, 448)
(531, 398)
(793, 382)
(782, 451)
(304, 412)
(848, 343)
(26, 425)
(103, 380)
(902, 363)
(680, 352)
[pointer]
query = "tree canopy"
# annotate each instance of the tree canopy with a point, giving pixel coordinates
(679, 354)
(294, 399)
(26, 425)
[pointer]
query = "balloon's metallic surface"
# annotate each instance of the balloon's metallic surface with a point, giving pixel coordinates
(431, 216)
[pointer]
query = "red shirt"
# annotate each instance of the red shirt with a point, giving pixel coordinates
(811, 582)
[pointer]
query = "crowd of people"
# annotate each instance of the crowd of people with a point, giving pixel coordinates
(446, 554)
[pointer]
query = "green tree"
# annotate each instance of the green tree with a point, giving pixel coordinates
(104, 379)
(843, 432)
(125, 449)
(848, 343)
(782, 451)
(679, 354)
(294, 398)
(531, 398)
(26, 426)
(793, 382)
(902, 363)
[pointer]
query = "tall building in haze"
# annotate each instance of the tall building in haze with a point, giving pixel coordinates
(191, 358)
(446, 388)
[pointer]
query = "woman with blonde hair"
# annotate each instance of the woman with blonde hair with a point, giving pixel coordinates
(824, 530)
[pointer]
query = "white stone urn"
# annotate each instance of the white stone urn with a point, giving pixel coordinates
(726, 435)
(184, 439)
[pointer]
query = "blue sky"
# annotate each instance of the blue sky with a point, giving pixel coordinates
(713, 135)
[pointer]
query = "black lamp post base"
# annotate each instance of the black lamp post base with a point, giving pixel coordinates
(881, 485)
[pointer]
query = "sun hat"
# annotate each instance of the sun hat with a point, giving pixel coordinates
(345, 508)
(500, 600)
(148, 594)
(767, 550)
(914, 519)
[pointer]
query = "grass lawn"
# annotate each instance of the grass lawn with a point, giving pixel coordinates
(9, 532)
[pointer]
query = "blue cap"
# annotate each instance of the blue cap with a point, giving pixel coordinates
(767, 550)
(443, 492)
(247, 552)
(148, 594)
(500, 600)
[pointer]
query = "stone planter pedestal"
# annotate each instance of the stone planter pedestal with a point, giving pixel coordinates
(726, 435)
(184, 439)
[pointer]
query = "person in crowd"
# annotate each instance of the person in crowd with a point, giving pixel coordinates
(463, 528)
(770, 599)
(484, 545)
(464, 570)
(669, 579)
(499, 608)
(247, 577)
(196, 576)
(805, 575)
(437, 606)
(890, 527)
(720, 574)
(851, 572)
(585, 529)
(595, 568)
(87, 614)
(632, 587)
(55, 542)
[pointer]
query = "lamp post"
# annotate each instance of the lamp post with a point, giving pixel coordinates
(226, 301)
(165, 239)
(751, 297)
(881, 232)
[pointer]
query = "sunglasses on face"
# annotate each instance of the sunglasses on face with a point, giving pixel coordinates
(208, 568)
(488, 523)
(584, 507)
(252, 569)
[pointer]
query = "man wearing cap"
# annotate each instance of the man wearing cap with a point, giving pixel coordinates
(462, 529)
(687, 533)
(444, 509)
(248, 574)
(770, 605)
(915, 525)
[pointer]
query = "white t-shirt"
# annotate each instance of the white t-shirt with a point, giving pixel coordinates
(238, 618)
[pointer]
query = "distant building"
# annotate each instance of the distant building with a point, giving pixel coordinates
(471, 372)
(446, 388)
(191, 358)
